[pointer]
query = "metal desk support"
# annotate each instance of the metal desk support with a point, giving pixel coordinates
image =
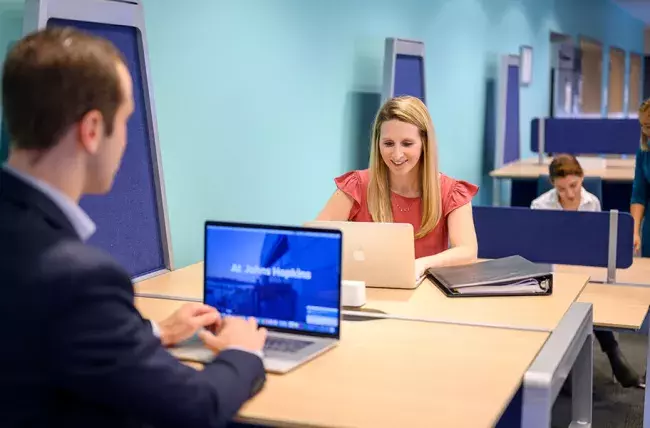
(569, 349)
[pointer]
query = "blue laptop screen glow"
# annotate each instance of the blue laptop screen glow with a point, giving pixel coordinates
(284, 278)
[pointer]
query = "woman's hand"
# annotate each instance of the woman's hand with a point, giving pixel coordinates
(637, 244)
(421, 266)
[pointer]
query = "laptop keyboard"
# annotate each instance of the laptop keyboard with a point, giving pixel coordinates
(281, 344)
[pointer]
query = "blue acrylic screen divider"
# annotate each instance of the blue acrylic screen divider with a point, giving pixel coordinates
(552, 236)
(127, 218)
(409, 76)
(587, 136)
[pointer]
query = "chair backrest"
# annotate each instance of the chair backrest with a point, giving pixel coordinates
(591, 184)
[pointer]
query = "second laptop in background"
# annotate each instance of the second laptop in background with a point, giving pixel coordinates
(380, 254)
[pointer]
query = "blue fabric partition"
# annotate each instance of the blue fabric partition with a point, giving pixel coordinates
(511, 137)
(587, 136)
(549, 236)
(4, 143)
(127, 218)
(409, 76)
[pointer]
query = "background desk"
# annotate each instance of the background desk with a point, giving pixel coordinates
(619, 307)
(388, 373)
(638, 273)
(617, 179)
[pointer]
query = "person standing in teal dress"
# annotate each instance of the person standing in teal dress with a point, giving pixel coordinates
(641, 186)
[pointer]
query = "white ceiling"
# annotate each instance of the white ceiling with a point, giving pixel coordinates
(640, 9)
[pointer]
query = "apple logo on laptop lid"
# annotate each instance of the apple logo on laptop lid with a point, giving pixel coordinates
(358, 255)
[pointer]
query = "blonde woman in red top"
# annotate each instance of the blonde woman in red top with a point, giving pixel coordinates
(403, 185)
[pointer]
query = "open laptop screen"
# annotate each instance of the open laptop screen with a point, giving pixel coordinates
(287, 278)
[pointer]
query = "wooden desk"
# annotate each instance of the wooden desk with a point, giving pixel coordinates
(388, 373)
(539, 312)
(617, 170)
(543, 312)
(186, 283)
(638, 273)
(616, 305)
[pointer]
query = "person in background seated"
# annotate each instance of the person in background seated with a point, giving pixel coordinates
(75, 350)
(403, 185)
(567, 176)
(641, 186)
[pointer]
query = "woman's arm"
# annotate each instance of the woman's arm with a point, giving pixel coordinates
(462, 237)
(337, 208)
(637, 211)
(639, 197)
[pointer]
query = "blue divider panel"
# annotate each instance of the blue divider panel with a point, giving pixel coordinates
(409, 76)
(4, 143)
(547, 236)
(127, 218)
(511, 142)
(587, 136)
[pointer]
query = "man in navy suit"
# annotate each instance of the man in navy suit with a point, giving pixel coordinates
(75, 351)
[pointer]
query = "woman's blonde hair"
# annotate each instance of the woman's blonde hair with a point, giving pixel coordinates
(409, 110)
(643, 111)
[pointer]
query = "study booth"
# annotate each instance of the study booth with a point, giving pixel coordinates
(606, 149)
(461, 350)
(132, 220)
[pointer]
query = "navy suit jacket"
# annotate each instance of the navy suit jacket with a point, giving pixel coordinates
(74, 350)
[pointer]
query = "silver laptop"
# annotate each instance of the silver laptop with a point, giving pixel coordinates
(288, 278)
(380, 254)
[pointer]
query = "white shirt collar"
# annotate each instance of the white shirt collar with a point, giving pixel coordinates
(83, 225)
(550, 200)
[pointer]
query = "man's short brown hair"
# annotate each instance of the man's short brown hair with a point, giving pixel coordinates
(563, 166)
(52, 78)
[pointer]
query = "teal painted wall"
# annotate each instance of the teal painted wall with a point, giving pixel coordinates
(11, 24)
(260, 103)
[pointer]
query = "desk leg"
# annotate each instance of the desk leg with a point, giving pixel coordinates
(568, 348)
(582, 376)
(496, 192)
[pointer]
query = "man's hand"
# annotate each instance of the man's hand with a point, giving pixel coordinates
(235, 332)
(186, 321)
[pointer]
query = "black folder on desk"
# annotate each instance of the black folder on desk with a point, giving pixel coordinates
(508, 276)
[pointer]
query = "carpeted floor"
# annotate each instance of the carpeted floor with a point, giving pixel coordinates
(614, 406)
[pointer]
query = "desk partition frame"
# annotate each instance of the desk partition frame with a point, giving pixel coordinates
(503, 81)
(393, 48)
(125, 13)
(568, 350)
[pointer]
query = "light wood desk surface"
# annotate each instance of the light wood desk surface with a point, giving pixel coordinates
(638, 273)
(186, 283)
(540, 312)
(617, 305)
(617, 170)
(388, 373)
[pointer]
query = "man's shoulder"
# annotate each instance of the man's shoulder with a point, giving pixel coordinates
(83, 259)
